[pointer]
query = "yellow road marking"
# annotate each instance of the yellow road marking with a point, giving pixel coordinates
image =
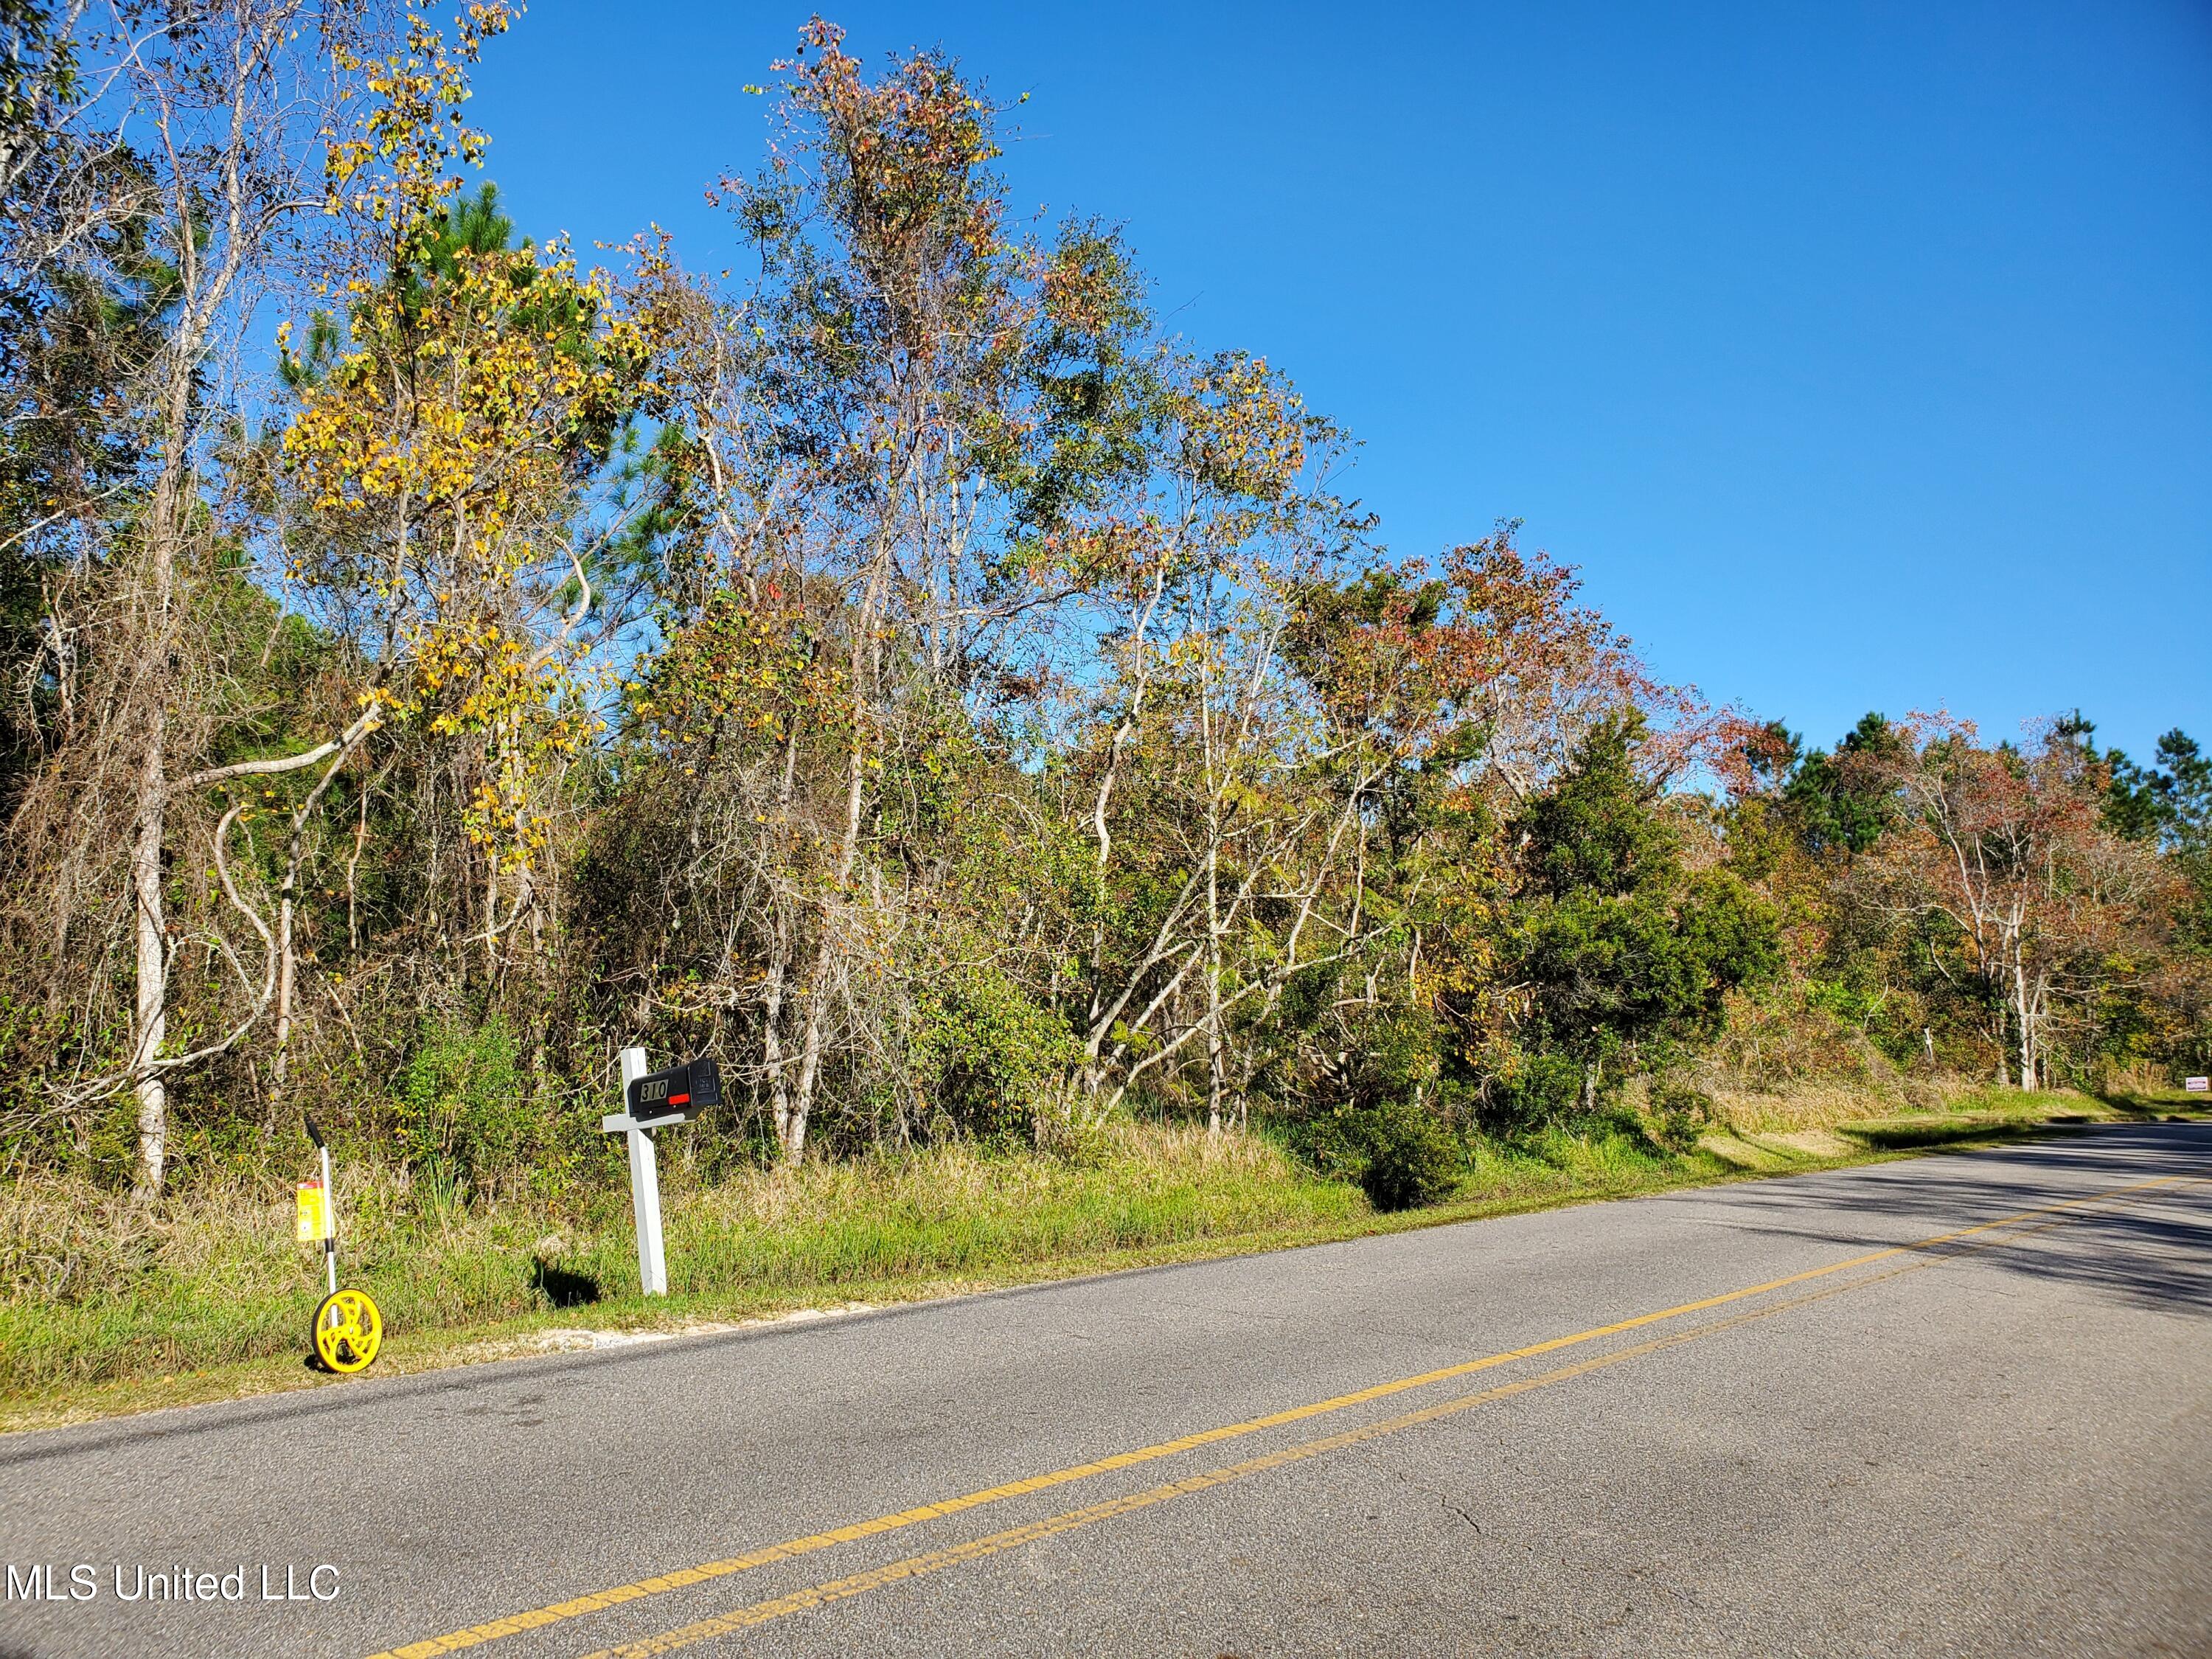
(918, 1566)
(617, 1596)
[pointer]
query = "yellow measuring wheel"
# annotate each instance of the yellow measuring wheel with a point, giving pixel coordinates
(349, 1331)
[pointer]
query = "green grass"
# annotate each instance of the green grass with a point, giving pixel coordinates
(104, 1308)
(92, 1291)
(1991, 1112)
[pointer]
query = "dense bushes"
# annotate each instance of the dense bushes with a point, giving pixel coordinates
(1407, 1159)
(471, 1116)
(986, 1061)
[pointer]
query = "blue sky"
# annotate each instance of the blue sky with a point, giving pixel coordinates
(1861, 356)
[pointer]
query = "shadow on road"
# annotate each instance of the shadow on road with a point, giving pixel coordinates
(2152, 1248)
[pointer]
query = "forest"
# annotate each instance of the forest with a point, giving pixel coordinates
(434, 657)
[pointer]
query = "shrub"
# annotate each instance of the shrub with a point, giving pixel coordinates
(1397, 1152)
(1678, 1116)
(1387, 1129)
(1532, 1091)
(984, 1056)
(1412, 1162)
(464, 1107)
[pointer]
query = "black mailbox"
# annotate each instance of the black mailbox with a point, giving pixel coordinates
(675, 1095)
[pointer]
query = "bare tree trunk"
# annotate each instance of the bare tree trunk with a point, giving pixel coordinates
(1125, 731)
(151, 1004)
(217, 222)
(280, 1061)
(848, 844)
(810, 1065)
(1216, 1054)
(779, 967)
(772, 1055)
(287, 906)
(2029, 1010)
(353, 874)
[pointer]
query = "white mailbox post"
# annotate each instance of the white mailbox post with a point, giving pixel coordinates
(644, 1180)
(651, 1099)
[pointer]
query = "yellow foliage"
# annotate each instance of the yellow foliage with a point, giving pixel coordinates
(441, 458)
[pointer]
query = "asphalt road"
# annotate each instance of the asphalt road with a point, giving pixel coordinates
(1766, 1418)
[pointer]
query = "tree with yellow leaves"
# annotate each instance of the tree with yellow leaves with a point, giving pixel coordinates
(441, 458)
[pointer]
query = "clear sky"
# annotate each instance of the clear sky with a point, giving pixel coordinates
(1861, 356)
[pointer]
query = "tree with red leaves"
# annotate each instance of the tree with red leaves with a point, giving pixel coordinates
(2010, 848)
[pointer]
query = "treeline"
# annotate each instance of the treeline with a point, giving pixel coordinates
(901, 668)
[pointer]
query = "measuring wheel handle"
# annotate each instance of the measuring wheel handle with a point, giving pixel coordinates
(349, 1331)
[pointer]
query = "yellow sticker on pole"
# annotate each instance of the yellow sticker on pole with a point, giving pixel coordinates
(314, 1213)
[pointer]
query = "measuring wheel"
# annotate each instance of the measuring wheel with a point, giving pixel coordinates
(349, 1330)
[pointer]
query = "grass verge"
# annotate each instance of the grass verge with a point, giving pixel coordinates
(105, 1311)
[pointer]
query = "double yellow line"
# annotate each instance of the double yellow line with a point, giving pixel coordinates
(915, 1566)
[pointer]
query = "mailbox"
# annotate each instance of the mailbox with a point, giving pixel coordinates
(675, 1095)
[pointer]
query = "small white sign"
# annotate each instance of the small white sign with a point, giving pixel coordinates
(2197, 1085)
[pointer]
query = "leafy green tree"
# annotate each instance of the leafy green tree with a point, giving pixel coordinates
(1844, 800)
(2170, 802)
(1614, 942)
